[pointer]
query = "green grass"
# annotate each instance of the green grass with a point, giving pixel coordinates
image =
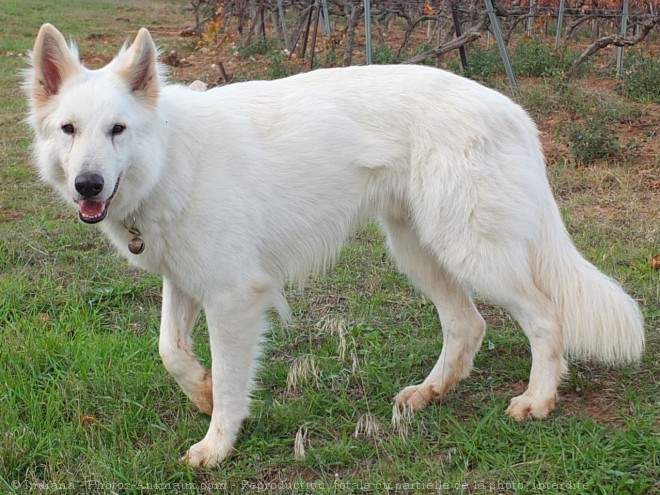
(87, 407)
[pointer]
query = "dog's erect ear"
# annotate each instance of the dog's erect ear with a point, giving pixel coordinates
(52, 62)
(139, 67)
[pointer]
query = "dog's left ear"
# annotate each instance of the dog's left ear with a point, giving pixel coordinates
(139, 67)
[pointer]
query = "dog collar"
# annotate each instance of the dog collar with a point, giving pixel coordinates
(136, 244)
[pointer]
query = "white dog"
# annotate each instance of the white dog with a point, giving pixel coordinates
(229, 193)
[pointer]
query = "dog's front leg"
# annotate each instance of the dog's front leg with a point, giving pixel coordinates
(236, 321)
(178, 318)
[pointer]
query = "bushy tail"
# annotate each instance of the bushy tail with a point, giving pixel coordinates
(599, 320)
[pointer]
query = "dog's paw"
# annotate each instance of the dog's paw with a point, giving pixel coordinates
(414, 398)
(527, 406)
(203, 454)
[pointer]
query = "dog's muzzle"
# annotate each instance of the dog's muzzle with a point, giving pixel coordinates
(89, 185)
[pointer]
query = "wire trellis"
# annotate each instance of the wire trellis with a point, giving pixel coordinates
(450, 24)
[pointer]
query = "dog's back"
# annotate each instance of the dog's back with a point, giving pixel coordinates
(311, 155)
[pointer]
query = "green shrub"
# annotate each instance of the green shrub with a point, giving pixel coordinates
(593, 141)
(531, 57)
(534, 58)
(383, 54)
(483, 64)
(278, 66)
(641, 79)
(258, 46)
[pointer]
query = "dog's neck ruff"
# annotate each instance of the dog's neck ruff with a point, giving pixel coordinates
(136, 244)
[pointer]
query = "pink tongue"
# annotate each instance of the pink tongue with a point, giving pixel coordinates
(91, 208)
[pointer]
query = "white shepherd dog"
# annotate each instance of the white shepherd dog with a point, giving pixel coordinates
(234, 191)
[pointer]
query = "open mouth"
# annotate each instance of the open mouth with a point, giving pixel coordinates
(94, 210)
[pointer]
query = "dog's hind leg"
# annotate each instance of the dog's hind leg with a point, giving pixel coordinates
(538, 318)
(236, 319)
(502, 272)
(463, 327)
(178, 318)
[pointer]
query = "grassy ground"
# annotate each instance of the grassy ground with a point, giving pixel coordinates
(87, 407)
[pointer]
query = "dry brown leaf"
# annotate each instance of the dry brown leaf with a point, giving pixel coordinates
(88, 419)
(655, 262)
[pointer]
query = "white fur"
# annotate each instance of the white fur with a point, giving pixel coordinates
(241, 188)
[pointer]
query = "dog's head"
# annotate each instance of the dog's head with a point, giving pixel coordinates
(91, 125)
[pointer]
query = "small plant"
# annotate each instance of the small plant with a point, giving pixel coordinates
(278, 67)
(258, 46)
(593, 141)
(534, 58)
(483, 64)
(331, 57)
(383, 54)
(641, 79)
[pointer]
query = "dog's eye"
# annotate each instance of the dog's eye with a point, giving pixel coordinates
(68, 129)
(118, 129)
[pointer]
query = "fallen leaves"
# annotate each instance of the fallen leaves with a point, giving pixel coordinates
(88, 419)
(655, 262)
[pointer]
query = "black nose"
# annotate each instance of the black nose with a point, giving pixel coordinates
(89, 184)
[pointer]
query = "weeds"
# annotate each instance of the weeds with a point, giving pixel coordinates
(593, 141)
(483, 64)
(259, 46)
(383, 54)
(534, 58)
(531, 57)
(641, 79)
(278, 66)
